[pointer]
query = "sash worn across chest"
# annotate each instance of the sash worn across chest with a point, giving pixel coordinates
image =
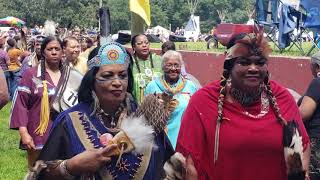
(130, 167)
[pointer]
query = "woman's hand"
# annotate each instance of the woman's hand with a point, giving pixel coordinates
(26, 138)
(89, 161)
(191, 172)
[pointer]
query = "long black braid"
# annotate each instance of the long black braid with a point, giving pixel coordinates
(43, 69)
(273, 101)
(223, 93)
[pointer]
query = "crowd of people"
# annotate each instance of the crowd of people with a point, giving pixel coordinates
(86, 110)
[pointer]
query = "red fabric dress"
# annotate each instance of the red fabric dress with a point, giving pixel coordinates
(249, 149)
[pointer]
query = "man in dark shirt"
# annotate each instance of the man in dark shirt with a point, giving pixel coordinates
(310, 112)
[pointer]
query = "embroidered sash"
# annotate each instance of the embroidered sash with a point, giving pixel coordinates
(131, 166)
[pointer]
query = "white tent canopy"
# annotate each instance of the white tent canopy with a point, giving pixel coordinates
(192, 30)
(160, 29)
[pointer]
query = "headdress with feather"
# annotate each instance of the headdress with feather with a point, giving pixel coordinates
(246, 45)
(255, 44)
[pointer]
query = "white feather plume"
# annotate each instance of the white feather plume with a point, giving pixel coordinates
(139, 133)
(295, 146)
(49, 28)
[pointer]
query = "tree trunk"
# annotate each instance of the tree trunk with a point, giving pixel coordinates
(222, 15)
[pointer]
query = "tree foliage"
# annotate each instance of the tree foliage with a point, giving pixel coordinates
(167, 13)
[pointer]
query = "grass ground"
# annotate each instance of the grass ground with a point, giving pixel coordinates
(13, 162)
(202, 46)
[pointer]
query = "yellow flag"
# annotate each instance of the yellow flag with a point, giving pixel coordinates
(142, 8)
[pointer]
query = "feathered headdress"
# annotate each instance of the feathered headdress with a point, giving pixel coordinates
(246, 45)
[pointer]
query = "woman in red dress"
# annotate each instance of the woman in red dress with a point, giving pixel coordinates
(236, 128)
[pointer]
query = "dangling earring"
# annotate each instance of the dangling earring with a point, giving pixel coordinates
(318, 74)
(229, 82)
(95, 103)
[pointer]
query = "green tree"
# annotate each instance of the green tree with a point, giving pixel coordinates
(167, 13)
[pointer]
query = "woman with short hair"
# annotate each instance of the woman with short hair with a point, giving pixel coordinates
(173, 84)
(71, 49)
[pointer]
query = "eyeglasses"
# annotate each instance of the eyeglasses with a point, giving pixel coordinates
(142, 42)
(172, 66)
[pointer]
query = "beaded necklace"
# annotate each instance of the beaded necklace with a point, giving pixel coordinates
(176, 89)
(113, 119)
(264, 107)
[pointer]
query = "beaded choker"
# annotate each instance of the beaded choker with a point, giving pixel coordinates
(176, 89)
(264, 107)
(113, 119)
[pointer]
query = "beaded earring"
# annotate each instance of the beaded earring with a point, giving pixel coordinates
(95, 104)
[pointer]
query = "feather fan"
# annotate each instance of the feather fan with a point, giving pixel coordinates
(293, 151)
(134, 136)
(156, 108)
(137, 131)
(140, 134)
(174, 167)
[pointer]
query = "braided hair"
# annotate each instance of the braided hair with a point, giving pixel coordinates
(222, 95)
(45, 107)
(259, 47)
(273, 101)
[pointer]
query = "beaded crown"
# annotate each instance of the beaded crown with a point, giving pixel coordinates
(109, 53)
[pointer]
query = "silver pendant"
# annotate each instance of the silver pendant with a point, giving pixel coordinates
(142, 82)
(154, 78)
(148, 72)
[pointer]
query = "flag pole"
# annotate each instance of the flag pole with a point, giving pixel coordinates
(100, 6)
(140, 15)
(137, 24)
